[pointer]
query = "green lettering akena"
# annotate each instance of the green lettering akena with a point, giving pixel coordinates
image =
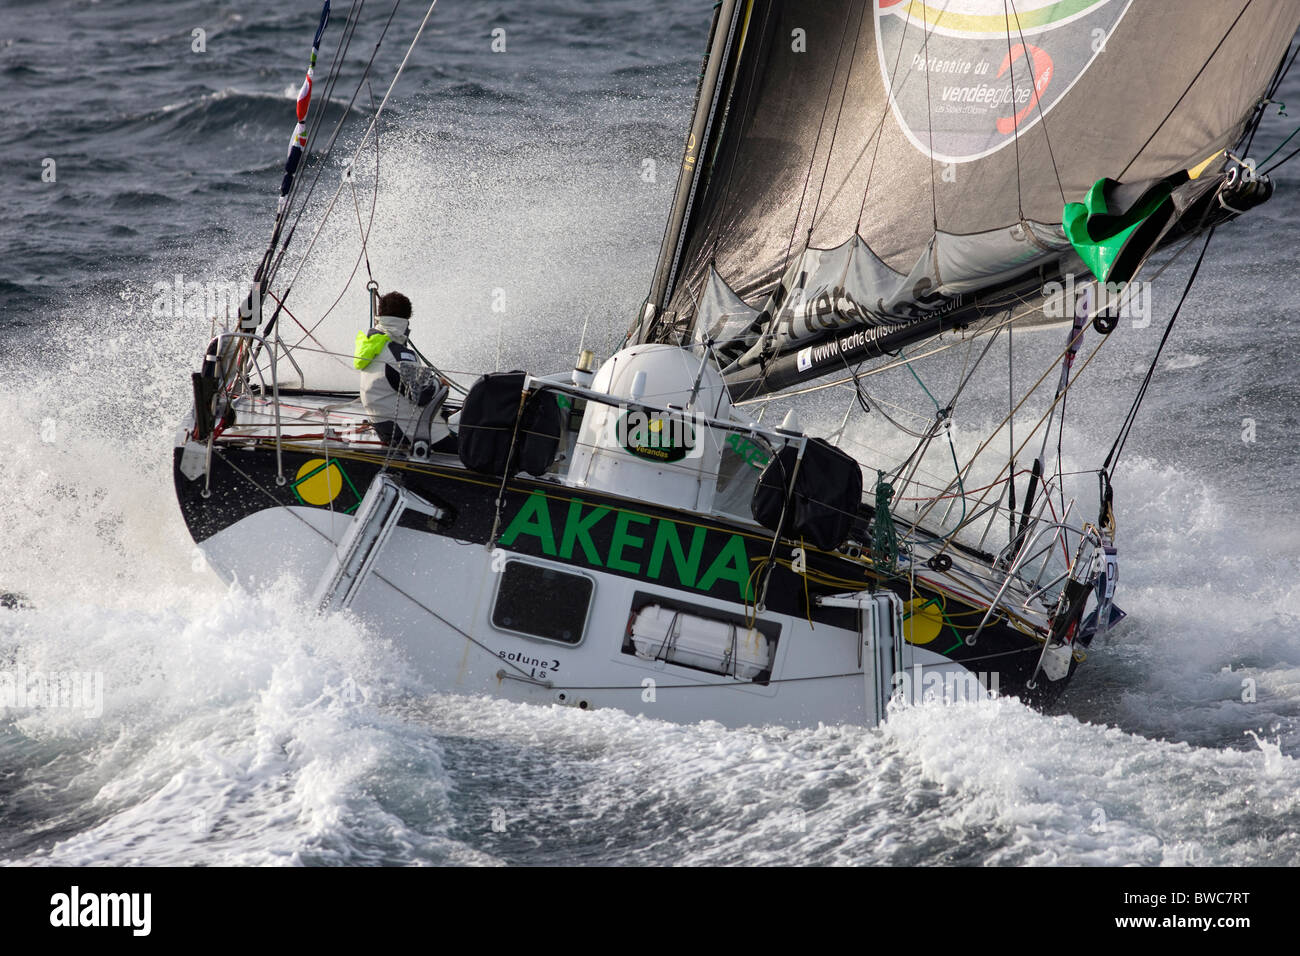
(533, 518)
(623, 539)
(577, 528)
(731, 564)
(666, 538)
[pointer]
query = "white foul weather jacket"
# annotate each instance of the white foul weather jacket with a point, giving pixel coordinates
(380, 353)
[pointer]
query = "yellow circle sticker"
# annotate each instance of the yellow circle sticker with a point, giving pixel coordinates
(318, 482)
(922, 621)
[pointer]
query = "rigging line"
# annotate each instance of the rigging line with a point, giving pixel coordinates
(1121, 439)
(923, 446)
(329, 147)
(992, 484)
(1060, 441)
(878, 133)
(1279, 74)
(1282, 75)
(848, 78)
(1050, 411)
(374, 201)
(1011, 400)
(1279, 146)
(937, 407)
(338, 356)
(915, 459)
(812, 158)
(365, 239)
(365, 136)
(327, 84)
(349, 167)
(1285, 159)
(878, 407)
(961, 488)
(1042, 116)
(339, 298)
(870, 398)
(1180, 99)
(929, 124)
(1015, 123)
(331, 80)
(901, 409)
(867, 403)
(1254, 124)
(952, 404)
(961, 387)
(266, 265)
(859, 391)
(913, 480)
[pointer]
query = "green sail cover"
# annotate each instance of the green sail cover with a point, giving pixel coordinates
(1115, 226)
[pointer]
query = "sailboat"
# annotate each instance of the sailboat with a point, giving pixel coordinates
(865, 187)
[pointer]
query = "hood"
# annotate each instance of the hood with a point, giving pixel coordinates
(395, 328)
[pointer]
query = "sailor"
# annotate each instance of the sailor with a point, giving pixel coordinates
(395, 389)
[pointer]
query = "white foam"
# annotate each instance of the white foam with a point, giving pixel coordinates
(244, 731)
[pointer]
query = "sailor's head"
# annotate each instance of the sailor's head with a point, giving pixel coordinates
(394, 304)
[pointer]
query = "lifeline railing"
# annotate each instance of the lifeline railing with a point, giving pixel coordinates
(240, 374)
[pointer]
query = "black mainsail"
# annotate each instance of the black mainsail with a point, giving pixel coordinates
(861, 176)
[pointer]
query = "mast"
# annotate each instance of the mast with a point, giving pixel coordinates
(688, 177)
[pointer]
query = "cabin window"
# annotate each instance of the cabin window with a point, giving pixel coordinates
(743, 459)
(539, 601)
